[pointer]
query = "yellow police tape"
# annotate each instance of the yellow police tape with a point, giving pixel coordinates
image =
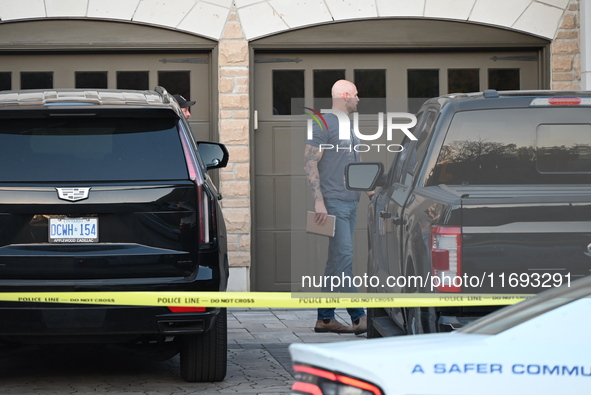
(265, 299)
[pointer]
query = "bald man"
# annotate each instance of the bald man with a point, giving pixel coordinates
(325, 169)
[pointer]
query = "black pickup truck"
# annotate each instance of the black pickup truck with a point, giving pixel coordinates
(493, 196)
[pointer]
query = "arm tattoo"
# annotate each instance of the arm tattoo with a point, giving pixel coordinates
(312, 156)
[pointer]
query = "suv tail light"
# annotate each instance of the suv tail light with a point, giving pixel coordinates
(185, 309)
(205, 206)
(446, 257)
(314, 381)
(204, 215)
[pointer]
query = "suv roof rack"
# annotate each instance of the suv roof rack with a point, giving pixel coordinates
(163, 93)
(39, 98)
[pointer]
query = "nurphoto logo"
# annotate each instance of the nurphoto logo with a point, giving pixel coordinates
(318, 118)
(392, 123)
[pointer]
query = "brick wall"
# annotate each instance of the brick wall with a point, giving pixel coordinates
(565, 49)
(234, 132)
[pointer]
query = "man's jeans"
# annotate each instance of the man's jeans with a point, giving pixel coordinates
(340, 252)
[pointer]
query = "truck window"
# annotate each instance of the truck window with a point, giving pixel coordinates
(516, 146)
(423, 134)
(413, 150)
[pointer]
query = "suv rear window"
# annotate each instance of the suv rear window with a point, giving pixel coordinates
(516, 146)
(90, 149)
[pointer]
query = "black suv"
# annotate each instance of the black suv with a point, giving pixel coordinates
(106, 190)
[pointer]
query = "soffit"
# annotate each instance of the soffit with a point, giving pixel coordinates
(399, 33)
(88, 35)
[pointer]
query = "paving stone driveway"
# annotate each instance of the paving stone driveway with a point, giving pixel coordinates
(257, 349)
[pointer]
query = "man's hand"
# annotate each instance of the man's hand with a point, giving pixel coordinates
(321, 213)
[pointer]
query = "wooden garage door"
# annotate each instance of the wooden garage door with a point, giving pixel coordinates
(186, 73)
(400, 82)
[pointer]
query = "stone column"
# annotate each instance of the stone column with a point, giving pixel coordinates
(566, 53)
(234, 132)
(585, 38)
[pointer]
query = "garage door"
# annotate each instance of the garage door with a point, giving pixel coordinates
(285, 83)
(186, 74)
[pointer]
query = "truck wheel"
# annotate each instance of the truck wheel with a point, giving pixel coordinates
(372, 313)
(420, 320)
(414, 325)
(204, 357)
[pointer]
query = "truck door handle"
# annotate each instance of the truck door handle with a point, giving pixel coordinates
(395, 220)
(398, 221)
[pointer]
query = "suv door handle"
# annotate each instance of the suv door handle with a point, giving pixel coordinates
(385, 214)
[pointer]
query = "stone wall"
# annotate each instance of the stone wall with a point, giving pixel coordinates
(566, 51)
(234, 116)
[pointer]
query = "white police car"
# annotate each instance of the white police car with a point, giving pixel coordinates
(539, 346)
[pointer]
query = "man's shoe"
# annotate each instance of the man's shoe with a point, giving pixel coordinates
(332, 325)
(360, 326)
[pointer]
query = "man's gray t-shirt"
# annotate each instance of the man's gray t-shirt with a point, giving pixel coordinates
(331, 167)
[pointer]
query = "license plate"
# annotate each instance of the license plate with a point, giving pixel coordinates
(73, 230)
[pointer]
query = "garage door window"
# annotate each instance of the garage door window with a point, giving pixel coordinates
(37, 80)
(503, 79)
(176, 82)
(5, 81)
(133, 80)
(422, 85)
(371, 84)
(463, 80)
(287, 85)
(91, 79)
(323, 82)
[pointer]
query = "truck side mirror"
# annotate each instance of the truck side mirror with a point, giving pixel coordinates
(364, 176)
